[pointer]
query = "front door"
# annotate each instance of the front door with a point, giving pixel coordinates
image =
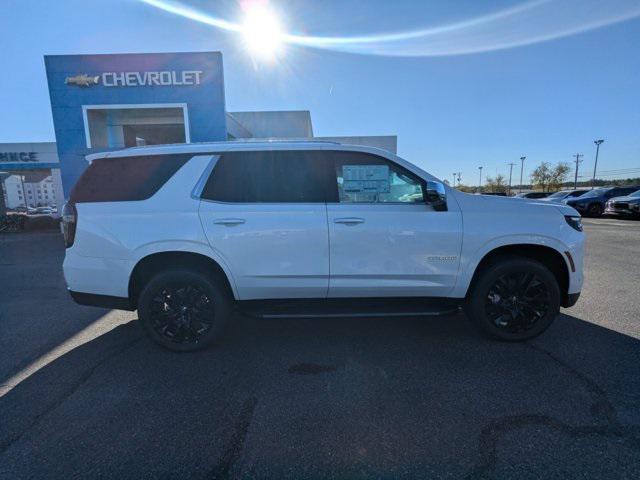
(264, 213)
(384, 239)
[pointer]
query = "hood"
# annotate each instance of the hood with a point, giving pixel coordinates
(627, 199)
(512, 204)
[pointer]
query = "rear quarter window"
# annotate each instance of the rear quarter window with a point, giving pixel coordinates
(126, 178)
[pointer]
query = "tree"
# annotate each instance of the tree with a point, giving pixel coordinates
(549, 178)
(465, 188)
(497, 184)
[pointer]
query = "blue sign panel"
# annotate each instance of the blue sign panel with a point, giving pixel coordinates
(103, 102)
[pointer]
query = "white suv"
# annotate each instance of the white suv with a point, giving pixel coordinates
(186, 233)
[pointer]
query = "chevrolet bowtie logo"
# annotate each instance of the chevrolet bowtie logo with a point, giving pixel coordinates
(83, 80)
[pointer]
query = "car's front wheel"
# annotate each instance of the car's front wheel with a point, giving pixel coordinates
(514, 299)
(595, 210)
(183, 310)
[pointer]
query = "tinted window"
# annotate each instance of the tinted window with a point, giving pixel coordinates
(366, 178)
(295, 176)
(126, 178)
(627, 191)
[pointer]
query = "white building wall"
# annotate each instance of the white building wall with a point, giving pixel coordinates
(280, 124)
(36, 194)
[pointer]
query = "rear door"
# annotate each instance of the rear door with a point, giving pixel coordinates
(385, 240)
(264, 212)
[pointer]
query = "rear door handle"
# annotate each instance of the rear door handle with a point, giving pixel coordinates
(229, 222)
(349, 220)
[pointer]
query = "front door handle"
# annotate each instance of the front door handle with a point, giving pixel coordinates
(229, 222)
(349, 220)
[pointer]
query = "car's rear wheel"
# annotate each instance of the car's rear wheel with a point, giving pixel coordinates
(183, 310)
(595, 210)
(514, 299)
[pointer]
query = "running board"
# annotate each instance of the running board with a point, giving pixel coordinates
(350, 308)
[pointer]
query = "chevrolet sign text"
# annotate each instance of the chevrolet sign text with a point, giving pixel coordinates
(145, 79)
(138, 79)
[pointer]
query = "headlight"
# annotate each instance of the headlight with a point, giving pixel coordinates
(574, 222)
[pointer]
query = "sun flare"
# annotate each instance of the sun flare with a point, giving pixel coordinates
(262, 31)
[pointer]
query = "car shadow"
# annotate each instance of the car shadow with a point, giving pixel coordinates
(386, 398)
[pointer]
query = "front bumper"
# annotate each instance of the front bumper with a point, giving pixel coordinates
(570, 299)
(631, 211)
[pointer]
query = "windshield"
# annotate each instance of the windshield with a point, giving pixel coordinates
(594, 193)
(560, 194)
(635, 194)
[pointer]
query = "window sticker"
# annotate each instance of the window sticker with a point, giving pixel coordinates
(366, 179)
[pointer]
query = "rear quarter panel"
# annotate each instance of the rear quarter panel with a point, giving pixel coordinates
(120, 234)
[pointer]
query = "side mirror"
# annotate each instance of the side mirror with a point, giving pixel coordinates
(436, 196)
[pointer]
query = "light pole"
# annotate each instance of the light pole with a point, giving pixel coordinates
(593, 181)
(510, 172)
(480, 184)
(454, 180)
(522, 159)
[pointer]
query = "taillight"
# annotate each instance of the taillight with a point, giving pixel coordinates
(69, 222)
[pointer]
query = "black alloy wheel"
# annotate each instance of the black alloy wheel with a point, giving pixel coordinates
(184, 310)
(182, 313)
(595, 210)
(517, 301)
(513, 299)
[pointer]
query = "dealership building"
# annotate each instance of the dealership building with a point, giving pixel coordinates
(108, 102)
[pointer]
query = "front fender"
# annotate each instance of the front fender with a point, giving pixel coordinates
(471, 259)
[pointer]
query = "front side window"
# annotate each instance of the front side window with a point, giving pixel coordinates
(292, 176)
(366, 178)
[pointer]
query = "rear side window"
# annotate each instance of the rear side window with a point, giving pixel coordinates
(127, 178)
(293, 176)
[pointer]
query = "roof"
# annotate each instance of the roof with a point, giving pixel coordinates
(207, 147)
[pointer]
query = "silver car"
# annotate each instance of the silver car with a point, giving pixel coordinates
(624, 206)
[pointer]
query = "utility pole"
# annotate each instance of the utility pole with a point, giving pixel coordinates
(578, 161)
(459, 177)
(510, 172)
(593, 181)
(480, 184)
(522, 159)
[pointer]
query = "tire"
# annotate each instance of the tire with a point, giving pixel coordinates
(184, 310)
(595, 210)
(503, 309)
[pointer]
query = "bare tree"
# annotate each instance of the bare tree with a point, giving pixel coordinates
(497, 184)
(549, 178)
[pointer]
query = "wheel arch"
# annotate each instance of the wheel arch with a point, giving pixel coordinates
(550, 257)
(153, 263)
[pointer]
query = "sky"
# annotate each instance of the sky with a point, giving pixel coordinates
(462, 84)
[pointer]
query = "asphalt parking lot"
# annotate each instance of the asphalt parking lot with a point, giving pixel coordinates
(84, 394)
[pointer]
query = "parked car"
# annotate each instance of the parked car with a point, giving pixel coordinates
(43, 211)
(592, 203)
(624, 206)
(564, 194)
(185, 234)
(532, 195)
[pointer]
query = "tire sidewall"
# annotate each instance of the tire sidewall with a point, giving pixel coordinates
(595, 210)
(221, 306)
(475, 305)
